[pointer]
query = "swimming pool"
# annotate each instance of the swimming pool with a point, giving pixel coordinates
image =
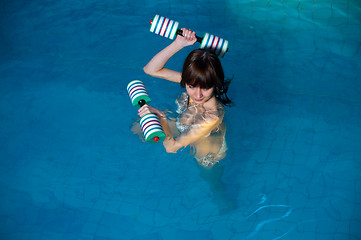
(72, 169)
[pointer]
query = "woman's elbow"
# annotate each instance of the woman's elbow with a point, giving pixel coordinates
(170, 145)
(170, 149)
(146, 70)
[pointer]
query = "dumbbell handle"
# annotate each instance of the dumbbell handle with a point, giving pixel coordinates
(141, 103)
(180, 32)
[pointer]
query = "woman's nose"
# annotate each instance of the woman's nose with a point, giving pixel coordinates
(199, 93)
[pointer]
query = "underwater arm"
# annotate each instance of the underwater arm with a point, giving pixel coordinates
(196, 132)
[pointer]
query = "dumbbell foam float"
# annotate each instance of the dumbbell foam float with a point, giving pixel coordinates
(169, 28)
(149, 123)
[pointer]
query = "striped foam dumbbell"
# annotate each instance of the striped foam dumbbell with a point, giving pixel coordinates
(168, 28)
(150, 124)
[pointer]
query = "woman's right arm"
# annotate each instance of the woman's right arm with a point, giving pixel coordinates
(155, 66)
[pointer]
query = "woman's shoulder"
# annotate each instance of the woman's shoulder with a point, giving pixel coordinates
(215, 113)
(183, 96)
(182, 102)
(215, 108)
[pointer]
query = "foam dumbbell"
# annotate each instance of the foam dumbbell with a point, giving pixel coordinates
(150, 124)
(168, 28)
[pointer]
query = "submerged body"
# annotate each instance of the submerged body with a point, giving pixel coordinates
(206, 126)
(200, 120)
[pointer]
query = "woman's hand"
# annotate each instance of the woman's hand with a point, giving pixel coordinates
(188, 38)
(148, 109)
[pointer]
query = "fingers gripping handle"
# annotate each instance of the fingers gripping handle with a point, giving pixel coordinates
(180, 32)
(168, 28)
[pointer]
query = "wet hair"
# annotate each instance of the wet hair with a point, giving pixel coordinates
(202, 68)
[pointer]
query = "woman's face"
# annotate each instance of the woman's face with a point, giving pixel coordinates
(199, 95)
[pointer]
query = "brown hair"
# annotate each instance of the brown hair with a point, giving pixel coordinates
(202, 68)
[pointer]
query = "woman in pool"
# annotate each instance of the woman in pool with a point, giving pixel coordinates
(200, 109)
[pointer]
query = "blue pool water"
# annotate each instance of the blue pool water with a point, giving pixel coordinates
(71, 168)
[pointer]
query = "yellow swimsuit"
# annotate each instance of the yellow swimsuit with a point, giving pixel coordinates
(202, 129)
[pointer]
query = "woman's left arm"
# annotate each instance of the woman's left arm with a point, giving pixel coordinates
(196, 132)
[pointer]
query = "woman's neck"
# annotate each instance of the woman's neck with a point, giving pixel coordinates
(211, 103)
